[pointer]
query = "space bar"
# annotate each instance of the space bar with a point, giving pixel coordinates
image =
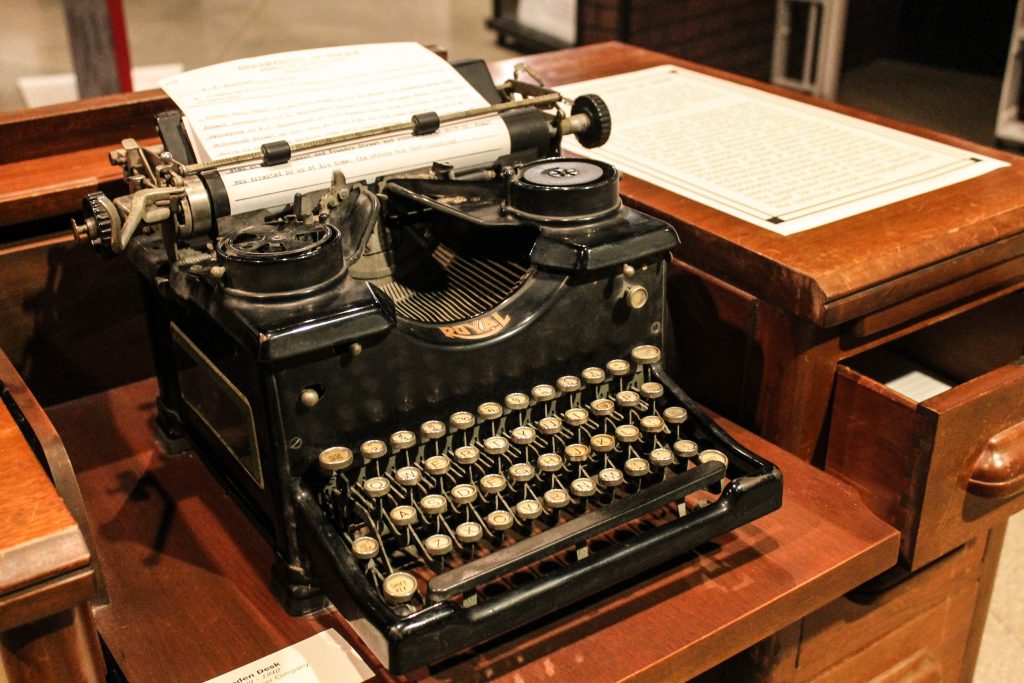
(508, 559)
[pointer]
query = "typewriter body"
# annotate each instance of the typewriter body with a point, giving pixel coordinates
(442, 395)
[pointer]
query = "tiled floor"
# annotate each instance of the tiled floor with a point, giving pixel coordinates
(33, 41)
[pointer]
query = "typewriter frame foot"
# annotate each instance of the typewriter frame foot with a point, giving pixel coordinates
(296, 592)
(171, 436)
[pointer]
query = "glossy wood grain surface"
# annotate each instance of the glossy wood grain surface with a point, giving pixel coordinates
(188, 572)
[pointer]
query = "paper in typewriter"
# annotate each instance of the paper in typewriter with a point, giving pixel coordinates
(783, 165)
(234, 107)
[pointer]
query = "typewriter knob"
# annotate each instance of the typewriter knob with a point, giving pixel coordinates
(652, 424)
(568, 384)
(517, 401)
(555, 499)
(600, 128)
(617, 367)
(542, 393)
(524, 435)
(549, 425)
(461, 420)
(627, 399)
(603, 443)
(493, 484)
(495, 445)
(564, 190)
(434, 504)
(593, 376)
(521, 472)
(432, 430)
(645, 354)
(528, 509)
(402, 440)
(335, 459)
(467, 455)
(584, 487)
(489, 411)
(674, 415)
(499, 520)
(577, 452)
(437, 465)
(377, 487)
(100, 215)
(403, 515)
(652, 390)
(602, 407)
(549, 462)
(438, 545)
(408, 476)
(469, 532)
(712, 455)
(365, 548)
(399, 588)
(609, 477)
(577, 417)
(464, 494)
(684, 449)
(627, 433)
(661, 457)
(637, 467)
(374, 449)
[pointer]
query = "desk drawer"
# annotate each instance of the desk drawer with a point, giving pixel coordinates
(930, 428)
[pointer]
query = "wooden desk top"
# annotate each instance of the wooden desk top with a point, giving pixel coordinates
(189, 597)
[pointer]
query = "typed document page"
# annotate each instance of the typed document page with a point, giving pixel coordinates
(783, 165)
(235, 107)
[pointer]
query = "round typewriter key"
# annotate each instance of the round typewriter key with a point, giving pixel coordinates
(496, 445)
(499, 520)
(627, 399)
(577, 452)
(609, 477)
(617, 367)
(528, 509)
(463, 494)
(434, 504)
(637, 467)
(549, 462)
(627, 433)
(652, 390)
(521, 472)
(438, 545)
(645, 354)
(365, 548)
(403, 515)
(593, 376)
(437, 465)
(523, 436)
(542, 393)
(432, 429)
(401, 440)
(461, 420)
(549, 425)
(399, 588)
(408, 476)
(684, 449)
(335, 459)
(712, 455)
(467, 455)
(374, 449)
(568, 384)
(584, 487)
(674, 415)
(469, 532)
(602, 407)
(652, 424)
(661, 457)
(602, 443)
(555, 499)
(517, 401)
(489, 411)
(576, 417)
(493, 483)
(376, 487)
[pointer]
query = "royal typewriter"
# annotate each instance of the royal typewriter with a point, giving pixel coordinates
(443, 394)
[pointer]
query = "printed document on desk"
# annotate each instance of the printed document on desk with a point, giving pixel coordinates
(777, 163)
(235, 107)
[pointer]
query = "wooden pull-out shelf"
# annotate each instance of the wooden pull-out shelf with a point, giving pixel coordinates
(188, 573)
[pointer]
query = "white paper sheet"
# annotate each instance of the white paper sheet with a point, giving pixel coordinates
(783, 165)
(235, 107)
(320, 658)
(556, 18)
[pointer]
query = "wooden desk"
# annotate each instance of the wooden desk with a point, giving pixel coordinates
(188, 573)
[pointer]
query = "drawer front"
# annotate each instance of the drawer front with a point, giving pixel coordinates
(942, 470)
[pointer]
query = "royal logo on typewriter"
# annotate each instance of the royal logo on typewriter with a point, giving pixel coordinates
(480, 328)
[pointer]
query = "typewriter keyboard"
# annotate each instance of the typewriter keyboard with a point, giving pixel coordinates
(471, 504)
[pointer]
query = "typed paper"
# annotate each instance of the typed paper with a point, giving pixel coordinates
(783, 165)
(235, 107)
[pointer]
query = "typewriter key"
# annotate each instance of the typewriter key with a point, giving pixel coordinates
(377, 487)
(499, 520)
(576, 417)
(399, 588)
(627, 399)
(617, 367)
(434, 504)
(437, 465)
(469, 532)
(403, 515)
(603, 443)
(684, 449)
(661, 457)
(408, 476)
(461, 420)
(637, 467)
(463, 494)
(603, 407)
(584, 487)
(549, 462)
(438, 545)
(593, 376)
(549, 425)
(528, 510)
(402, 440)
(467, 455)
(712, 455)
(489, 411)
(524, 435)
(495, 445)
(645, 354)
(674, 415)
(365, 548)
(609, 477)
(568, 384)
(555, 499)
(335, 459)
(652, 390)
(374, 449)
(492, 484)
(652, 424)
(432, 430)
(521, 472)
(517, 401)
(577, 452)
(627, 433)
(542, 393)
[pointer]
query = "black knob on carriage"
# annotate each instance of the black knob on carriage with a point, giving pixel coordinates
(97, 227)
(600, 127)
(561, 190)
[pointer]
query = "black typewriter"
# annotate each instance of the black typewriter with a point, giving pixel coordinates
(442, 395)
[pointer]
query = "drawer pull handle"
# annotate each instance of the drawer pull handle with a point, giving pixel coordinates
(999, 470)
